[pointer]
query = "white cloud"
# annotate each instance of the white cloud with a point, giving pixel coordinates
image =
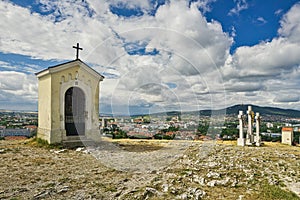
(287, 98)
(205, 5)
(238, 86)
(188, 46)
(270, 69)
(41, 36)
(193, 54)
(240, 6)
(290, 25)
(278, 12)
(18, 88)
(265, 59)
(25, 85)
(261, 20)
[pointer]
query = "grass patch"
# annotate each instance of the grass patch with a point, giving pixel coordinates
(38, 142)
(274, 192)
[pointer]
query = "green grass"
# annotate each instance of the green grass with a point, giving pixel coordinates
(44, 144)
(274, 192)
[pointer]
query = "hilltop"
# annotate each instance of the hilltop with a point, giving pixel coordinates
(264, 110)
(200, 171)
(234, 110)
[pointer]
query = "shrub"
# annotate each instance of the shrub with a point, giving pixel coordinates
(119, 134)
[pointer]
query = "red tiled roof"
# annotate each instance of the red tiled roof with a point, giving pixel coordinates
(287, 129)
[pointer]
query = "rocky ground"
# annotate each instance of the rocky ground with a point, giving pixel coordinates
(127, 169)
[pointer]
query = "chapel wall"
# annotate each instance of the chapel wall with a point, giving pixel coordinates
(44, 108)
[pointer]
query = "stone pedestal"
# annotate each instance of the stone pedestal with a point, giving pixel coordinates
(249, 140)
(241, 142)
(257, 141)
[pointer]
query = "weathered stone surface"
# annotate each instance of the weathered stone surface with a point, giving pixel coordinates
(213, 175)
(165, 187)
(199, 180)
(149, 192)
(205, 172)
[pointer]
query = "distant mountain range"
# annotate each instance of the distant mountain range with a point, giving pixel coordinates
(264, 110)
(17, 111)
(234, 110)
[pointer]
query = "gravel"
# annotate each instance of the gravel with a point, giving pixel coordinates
(178, 170)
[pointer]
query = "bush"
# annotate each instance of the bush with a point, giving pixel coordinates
(164, 137)
(139, 137)
(119, 134)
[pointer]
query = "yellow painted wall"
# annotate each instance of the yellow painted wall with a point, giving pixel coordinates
(44, 101)
(44, 107)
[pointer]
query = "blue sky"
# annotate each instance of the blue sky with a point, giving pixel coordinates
(156, 55)
(259, 21)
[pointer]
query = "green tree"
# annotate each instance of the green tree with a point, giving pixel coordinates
(229, 132)
(202, 129)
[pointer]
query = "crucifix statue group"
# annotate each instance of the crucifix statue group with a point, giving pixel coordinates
(251, 137)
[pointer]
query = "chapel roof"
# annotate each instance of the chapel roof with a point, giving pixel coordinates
(66, 65)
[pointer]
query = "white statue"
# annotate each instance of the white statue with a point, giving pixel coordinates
(251, 138)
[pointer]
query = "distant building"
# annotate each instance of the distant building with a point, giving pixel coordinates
(15, 132)
(287, 135)
(269, 125)
(272, 135)
(31, 128)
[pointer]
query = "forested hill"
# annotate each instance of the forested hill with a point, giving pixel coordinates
(262, 110)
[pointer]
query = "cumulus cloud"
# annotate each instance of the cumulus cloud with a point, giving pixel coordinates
(271, 69)
(238, 86)
(172, 58)
(269, 58)
(186, 44)
(290, 25)
(18, 89)
(25, 84)
(45, 36)
(287, 98)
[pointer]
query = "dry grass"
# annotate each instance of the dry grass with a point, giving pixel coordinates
(28, 169)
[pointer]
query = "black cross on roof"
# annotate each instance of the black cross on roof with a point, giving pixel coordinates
(77, 50)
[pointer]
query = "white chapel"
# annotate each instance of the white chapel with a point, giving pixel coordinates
(68, 102)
